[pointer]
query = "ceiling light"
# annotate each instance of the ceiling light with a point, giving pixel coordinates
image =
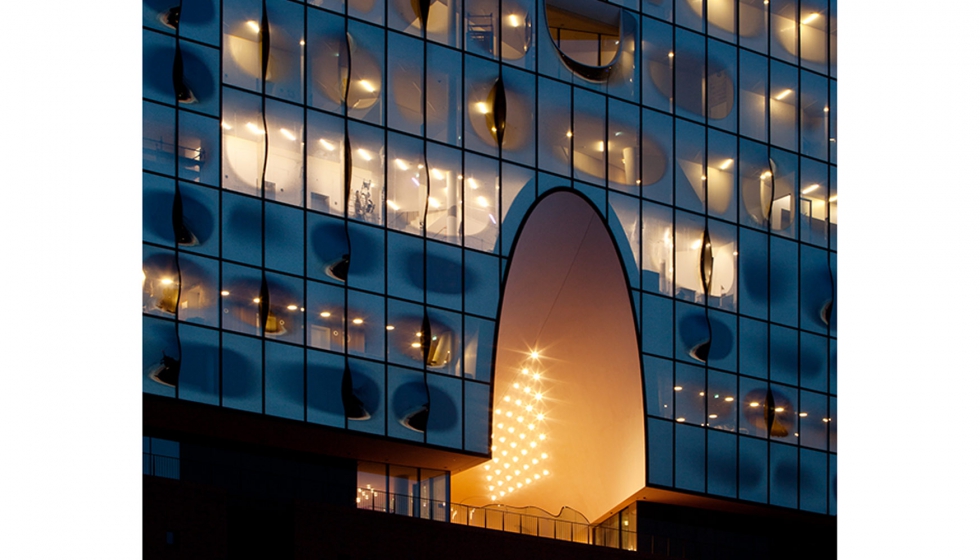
(678, 388)
(401, 164)
(482, 108)
(514, 20)
(289, 135)
(366, 155)
(225, 125)
(330, 147)
(437, 175)
(832, 199)
(670, 54)
(482, 201)
(393, 205)
(324, 314)
(256, 300)
(368, 86)
(568, 134)
(433, 202)
(681, 419)
(292, 307)
(782, 95)
(253, 25)
(390, 327)
(358, 321)
(810, 189)
(810, 18)
(803, 415)
(712, 416)
(254, 129)
(225, 293)
(729, 399)
(753, 404)
(726, 164)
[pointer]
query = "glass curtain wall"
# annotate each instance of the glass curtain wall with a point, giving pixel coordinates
(332, 189)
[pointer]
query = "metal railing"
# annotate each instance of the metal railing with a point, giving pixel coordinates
(498, 517)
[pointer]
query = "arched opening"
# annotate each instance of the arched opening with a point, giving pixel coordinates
(568, 406)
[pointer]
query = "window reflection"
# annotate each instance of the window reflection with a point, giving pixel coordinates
(505, 34)
(325, 163)
(406, 183)
(588, 33)
(243, 147)
(445, 185)
(753, 17)
(658, 249)
(481, 195)
(367, 186)
(721, 401)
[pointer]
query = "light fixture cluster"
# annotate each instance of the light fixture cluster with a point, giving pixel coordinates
(519, 433)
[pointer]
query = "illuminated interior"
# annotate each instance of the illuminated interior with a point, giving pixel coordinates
(585, 31)
(567, 405)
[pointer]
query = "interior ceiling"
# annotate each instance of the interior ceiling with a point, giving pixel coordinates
(566, 297)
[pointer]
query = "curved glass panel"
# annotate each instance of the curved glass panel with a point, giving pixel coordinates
(585, 32)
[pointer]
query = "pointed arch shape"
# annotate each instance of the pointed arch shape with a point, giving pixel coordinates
(565, 296)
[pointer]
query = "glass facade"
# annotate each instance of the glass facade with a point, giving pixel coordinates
(332, 191)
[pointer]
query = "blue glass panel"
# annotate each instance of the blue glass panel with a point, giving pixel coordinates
(284, 238)
(783, 355)
(159, 340)
(324, 374)
(369, 386)
(690, 457)
(367, 258)
(478, 347)
(405, 261)
(482, 292)
(753, 277)
(659, 384)
(241, 228)
(722, 464)
(444, 280)
(477, 417)
(752, 470)
(406, 396)
(783, 471)
(813, 361)
(813, 481)
(660, 452)
(658, 321)
(199, 373)
(446, 416)
(241, 372)
(284, 384)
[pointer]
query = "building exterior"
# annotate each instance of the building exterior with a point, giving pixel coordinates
(381, 237)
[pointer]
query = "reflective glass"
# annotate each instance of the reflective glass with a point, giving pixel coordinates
(445, 191)
(284, 381)
(658, 64)
(722, 464)
(324, 373)
(405, 84)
